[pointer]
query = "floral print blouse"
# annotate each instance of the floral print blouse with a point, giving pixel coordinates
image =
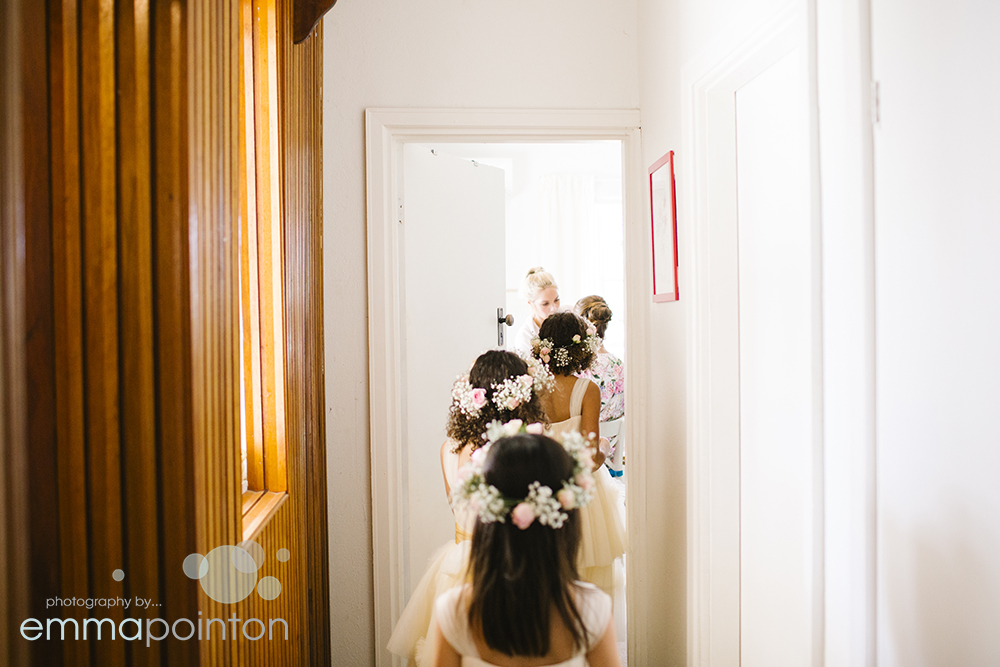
(608, 372)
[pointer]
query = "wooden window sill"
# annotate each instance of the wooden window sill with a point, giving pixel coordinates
(258, 508)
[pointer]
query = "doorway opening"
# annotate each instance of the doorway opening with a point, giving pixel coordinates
(390, 135)
(564, 212)
(474, 218)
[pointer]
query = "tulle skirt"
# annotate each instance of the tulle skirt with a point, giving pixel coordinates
(603, 542)
(447, 568)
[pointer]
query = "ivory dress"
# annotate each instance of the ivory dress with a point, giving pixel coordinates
(603, 520)
(524, 336)
(452, 613)
(446, 570)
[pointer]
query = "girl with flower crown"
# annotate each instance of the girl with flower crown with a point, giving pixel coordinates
(524, 603)
(500, 387)
(568, 344)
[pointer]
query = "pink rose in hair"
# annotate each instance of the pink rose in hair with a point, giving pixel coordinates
(545, 358)
(526, 380)
(545, 350)
(565, 498)
(512, 403)
(479, 397)
(522, 515)
(585, 482)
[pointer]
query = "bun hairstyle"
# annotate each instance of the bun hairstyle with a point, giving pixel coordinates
(596, 310)
(518, 576)
(559, 329)
(492, 368)
(535, 281)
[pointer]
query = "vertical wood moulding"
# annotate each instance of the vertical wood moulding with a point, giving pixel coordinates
(64, 110)
(38, 325)
(138, 419)
(317, 522)
(97, 92)
(172, 125)
(13, 381)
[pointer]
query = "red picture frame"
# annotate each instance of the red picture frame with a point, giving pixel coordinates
(663, 224)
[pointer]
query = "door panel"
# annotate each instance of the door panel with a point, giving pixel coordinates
(775, 367)
(452, 284)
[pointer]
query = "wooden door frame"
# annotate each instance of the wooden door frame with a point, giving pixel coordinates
(386, 131)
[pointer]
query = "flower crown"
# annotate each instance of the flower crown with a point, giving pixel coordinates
(507, 395)
(476, 495)
(547, 351)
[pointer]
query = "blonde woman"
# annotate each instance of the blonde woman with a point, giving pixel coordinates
(539, 288)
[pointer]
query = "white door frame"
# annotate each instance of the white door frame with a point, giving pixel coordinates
(713, 468)
(386, 130)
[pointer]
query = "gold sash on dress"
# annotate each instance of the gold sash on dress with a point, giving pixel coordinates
(461, 534)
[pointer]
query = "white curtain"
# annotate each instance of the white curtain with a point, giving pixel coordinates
(583, 238)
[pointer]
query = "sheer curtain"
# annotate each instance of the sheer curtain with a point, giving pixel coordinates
(581, 227)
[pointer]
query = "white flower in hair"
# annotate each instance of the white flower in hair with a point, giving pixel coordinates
(469, 399)
(547, 351)
(543, 379)
(507, 395)
(542, 503)
(512, 392)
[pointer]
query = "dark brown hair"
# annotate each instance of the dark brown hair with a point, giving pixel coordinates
(594, 309)
(518, 576)
(560, 329)
(492, 368)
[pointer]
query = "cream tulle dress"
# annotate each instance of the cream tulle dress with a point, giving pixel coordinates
(602, 520)
(446, 570)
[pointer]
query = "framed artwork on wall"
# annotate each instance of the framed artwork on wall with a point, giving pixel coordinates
(663, 214)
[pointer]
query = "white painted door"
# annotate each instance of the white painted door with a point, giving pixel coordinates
(452, 246)
(776, 370)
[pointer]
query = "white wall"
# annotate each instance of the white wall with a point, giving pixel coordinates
(937, 243)
(435, 53)
(673, 33)
(908, 308)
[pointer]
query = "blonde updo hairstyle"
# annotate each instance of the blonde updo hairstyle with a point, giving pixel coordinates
(537, 280)
(594, 309)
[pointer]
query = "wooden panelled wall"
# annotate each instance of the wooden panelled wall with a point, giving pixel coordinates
(13, 440)
(124, 339)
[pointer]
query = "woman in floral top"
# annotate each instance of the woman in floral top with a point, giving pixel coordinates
(608, 372)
